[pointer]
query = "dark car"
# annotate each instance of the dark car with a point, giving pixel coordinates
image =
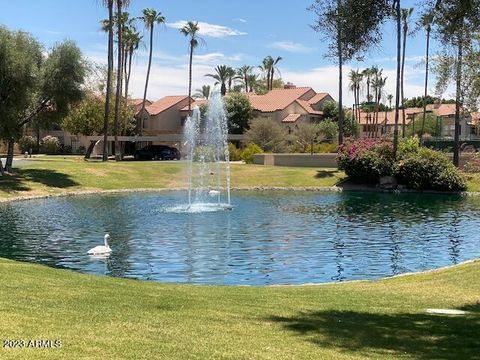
(157, 152)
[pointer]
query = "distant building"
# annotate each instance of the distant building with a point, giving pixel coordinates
(445, 114)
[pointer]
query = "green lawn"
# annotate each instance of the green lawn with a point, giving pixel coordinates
(55, 174)
(105, 318)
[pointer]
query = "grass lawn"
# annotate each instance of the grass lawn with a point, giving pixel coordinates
(55, 174)
(105, 318)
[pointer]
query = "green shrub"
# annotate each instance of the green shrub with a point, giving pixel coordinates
(366, 160)
(249, 151)
(27, 143)
(235, 153)
(408, 146)
(81, 150)
(427, 169)
(324, 148)
(50, 145)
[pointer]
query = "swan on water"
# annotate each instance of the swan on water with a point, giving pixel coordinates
(214, 192)
(101, 249)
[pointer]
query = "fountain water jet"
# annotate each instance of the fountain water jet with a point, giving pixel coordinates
(206, 143)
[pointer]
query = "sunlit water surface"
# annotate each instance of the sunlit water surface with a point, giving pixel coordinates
(267, 238)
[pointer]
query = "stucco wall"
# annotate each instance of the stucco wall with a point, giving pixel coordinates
(300, 160)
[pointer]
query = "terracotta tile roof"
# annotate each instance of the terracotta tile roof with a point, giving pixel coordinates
(196, 102)
(389, 116)
(443, 109)
(138, 102)
(291, 118)
(164, 103)
(306, 105)
(317, 98)
(277, 99)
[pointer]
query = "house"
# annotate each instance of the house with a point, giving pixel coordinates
(290, 105)
(445, 114)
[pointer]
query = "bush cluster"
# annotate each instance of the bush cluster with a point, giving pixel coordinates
(418, 168)
(366, 160)
(50, 145)
(27, 143)
(249, 151)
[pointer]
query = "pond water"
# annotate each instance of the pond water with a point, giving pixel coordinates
(267, 238)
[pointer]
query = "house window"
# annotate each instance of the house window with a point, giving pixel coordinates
(145, 122)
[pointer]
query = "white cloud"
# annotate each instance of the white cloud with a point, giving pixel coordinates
(291, 46)
(240, 20)
(325, 79)
(212, 30)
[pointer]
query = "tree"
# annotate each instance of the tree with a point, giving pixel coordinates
(243, 73)
(239, 112)
(307, 134)
(406, 14)
(34, 85)
(426, 22)
(266, 133)
(221, 76)
(204, 92)
(455, 23)
(328, 129)
(396, 6)
(150, 18)
(109, 4)
(350, 26)
(268, 67)
(356, 80)
(191, 30)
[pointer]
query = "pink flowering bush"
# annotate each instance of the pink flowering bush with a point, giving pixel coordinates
(366, 160)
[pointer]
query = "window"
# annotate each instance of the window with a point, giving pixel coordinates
(145, 122)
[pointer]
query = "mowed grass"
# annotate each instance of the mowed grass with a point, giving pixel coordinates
(56, 174)
(105, 318)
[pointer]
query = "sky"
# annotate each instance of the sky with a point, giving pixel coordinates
(235, 33)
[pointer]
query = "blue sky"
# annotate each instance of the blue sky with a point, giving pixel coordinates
(235, 33)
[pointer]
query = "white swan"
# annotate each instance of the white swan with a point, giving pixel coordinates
(101, 249)
(214, 192)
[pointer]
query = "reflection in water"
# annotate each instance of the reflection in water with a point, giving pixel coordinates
(268, 238)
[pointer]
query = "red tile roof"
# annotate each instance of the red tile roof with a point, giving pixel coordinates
(277, 99)
(197, 102)
(138, 102)
(291, 118)
(317, 98)
(164, 103)
(306, 105)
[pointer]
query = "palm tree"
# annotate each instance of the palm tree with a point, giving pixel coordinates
(269, 67)
(150, 18)
(190, 30)
(132, 41)
(396, 6)
(243, 73)
(368, 73)
(356, 78)
(405, 14)
(231, 77)
(390, 98)
(426, 22)
(109, 5)
(119, 5)
(252, 80)
(204, 92)
(221, 76)
(379, 85)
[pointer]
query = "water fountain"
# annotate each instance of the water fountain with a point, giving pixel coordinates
(206, 143)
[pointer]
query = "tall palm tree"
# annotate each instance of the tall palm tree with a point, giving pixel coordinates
(390, 98)
(132, 39)
(274, 68)
(109, 5)
(204, 92)
(191, 30)
(221, 76)
(368, 73)
(150, 17)
(252, 80)
(379, 85)
(120, 4)
(243, 73)
(231, 77)
(396, 6)
(405, 14)
(356, 78)
(426, 22)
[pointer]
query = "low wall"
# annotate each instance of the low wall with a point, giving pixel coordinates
(300, 160)
(315, 160)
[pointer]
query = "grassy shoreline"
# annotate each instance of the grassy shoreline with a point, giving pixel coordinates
(129, 319)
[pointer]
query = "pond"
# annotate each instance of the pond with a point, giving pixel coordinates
(267, 238)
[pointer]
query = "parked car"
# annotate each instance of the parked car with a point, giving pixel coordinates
(157, 152)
